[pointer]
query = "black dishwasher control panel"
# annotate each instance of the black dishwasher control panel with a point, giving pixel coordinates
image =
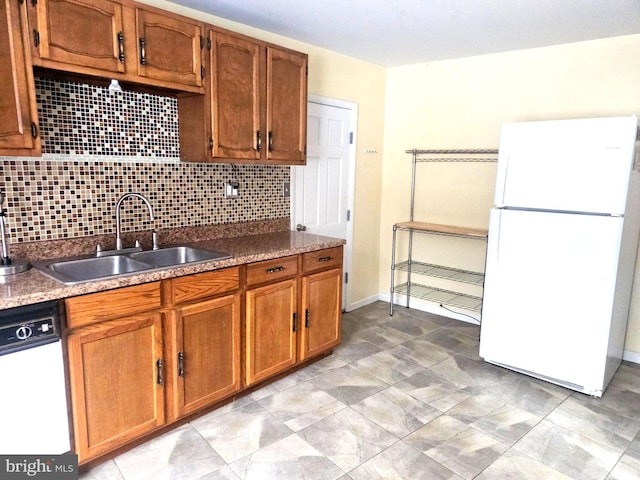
(29, 326)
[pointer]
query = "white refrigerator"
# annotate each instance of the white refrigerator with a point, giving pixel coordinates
(561, 252)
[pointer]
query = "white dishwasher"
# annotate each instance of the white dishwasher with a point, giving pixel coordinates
(33, 403)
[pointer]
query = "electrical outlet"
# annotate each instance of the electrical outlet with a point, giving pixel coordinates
(231, 190)
(286, 189)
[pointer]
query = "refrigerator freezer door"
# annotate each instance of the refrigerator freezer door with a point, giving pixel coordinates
(549, 288)
(566, 165)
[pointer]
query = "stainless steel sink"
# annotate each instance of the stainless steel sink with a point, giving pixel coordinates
(167, 257)
(77, 271)
(72, 271)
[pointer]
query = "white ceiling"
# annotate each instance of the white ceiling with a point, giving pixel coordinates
(402, 32)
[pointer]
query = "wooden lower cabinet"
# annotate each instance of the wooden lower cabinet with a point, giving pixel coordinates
(322, 305)
(144, 356)
(270, 330)
(117, 382)
(207, 353)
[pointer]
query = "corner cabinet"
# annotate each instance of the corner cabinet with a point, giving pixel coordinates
(424, 288)
(256, 105)
(18, 118)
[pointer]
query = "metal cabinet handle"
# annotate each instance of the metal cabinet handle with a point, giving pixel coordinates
(121, 47)
(181, 364)
(143, 52)
(324, 259)
(258, 140)
(306, 319)
(275, 269)
(271, 141)
(294, 321)
(160, 380)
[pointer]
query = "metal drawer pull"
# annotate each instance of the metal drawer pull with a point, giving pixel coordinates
(143, 52)
(276, 269)
(181, 364)
(324, 259)
(121, 47)
(159, 368)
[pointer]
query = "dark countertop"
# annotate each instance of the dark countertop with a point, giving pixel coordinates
(33, 286)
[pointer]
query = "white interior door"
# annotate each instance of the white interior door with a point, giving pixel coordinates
(322, 191)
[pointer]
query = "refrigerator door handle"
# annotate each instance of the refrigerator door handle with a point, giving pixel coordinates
(493, 244)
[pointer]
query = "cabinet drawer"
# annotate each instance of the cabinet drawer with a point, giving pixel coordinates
(272, 270)
(202, 285)
(322, 259)
(97, 307)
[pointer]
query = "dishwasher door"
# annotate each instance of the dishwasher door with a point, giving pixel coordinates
(33, 402)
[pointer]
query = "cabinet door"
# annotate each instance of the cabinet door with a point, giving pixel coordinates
(116, 376)
(208, 336)
(322, 305)
(235, 94)
(169, 48)
(83, 33)
(286, 106)
(270, 330)
(18, 131)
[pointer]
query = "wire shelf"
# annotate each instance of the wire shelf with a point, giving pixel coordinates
(442, 296)
(439, 271)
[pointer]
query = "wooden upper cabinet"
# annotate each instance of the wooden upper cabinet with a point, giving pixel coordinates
(256, 105)
(235, 97)
(118, 39)
(286, 106)
(85, 33)
(169, 47)
(18, 117)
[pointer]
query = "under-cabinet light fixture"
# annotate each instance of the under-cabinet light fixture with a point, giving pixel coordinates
(114, 86)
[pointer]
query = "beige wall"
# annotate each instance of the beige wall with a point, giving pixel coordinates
(462, 103)
(343, 78)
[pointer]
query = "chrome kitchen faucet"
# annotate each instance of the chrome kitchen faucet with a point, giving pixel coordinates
(118, 220)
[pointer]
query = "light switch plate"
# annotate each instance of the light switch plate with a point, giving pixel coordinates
(286, 189)
(231, 190)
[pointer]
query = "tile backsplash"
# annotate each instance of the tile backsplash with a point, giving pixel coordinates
(98, 145)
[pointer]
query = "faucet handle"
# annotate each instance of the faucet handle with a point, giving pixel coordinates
(154, 238)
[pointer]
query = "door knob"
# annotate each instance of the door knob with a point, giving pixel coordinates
(301, 228)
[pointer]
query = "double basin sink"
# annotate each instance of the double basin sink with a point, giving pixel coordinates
(81, 270)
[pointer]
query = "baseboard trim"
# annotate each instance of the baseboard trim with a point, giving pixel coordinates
(363, 303)
(430, 307)
(629, 356)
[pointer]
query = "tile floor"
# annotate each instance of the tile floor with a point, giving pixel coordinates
(403, 397)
